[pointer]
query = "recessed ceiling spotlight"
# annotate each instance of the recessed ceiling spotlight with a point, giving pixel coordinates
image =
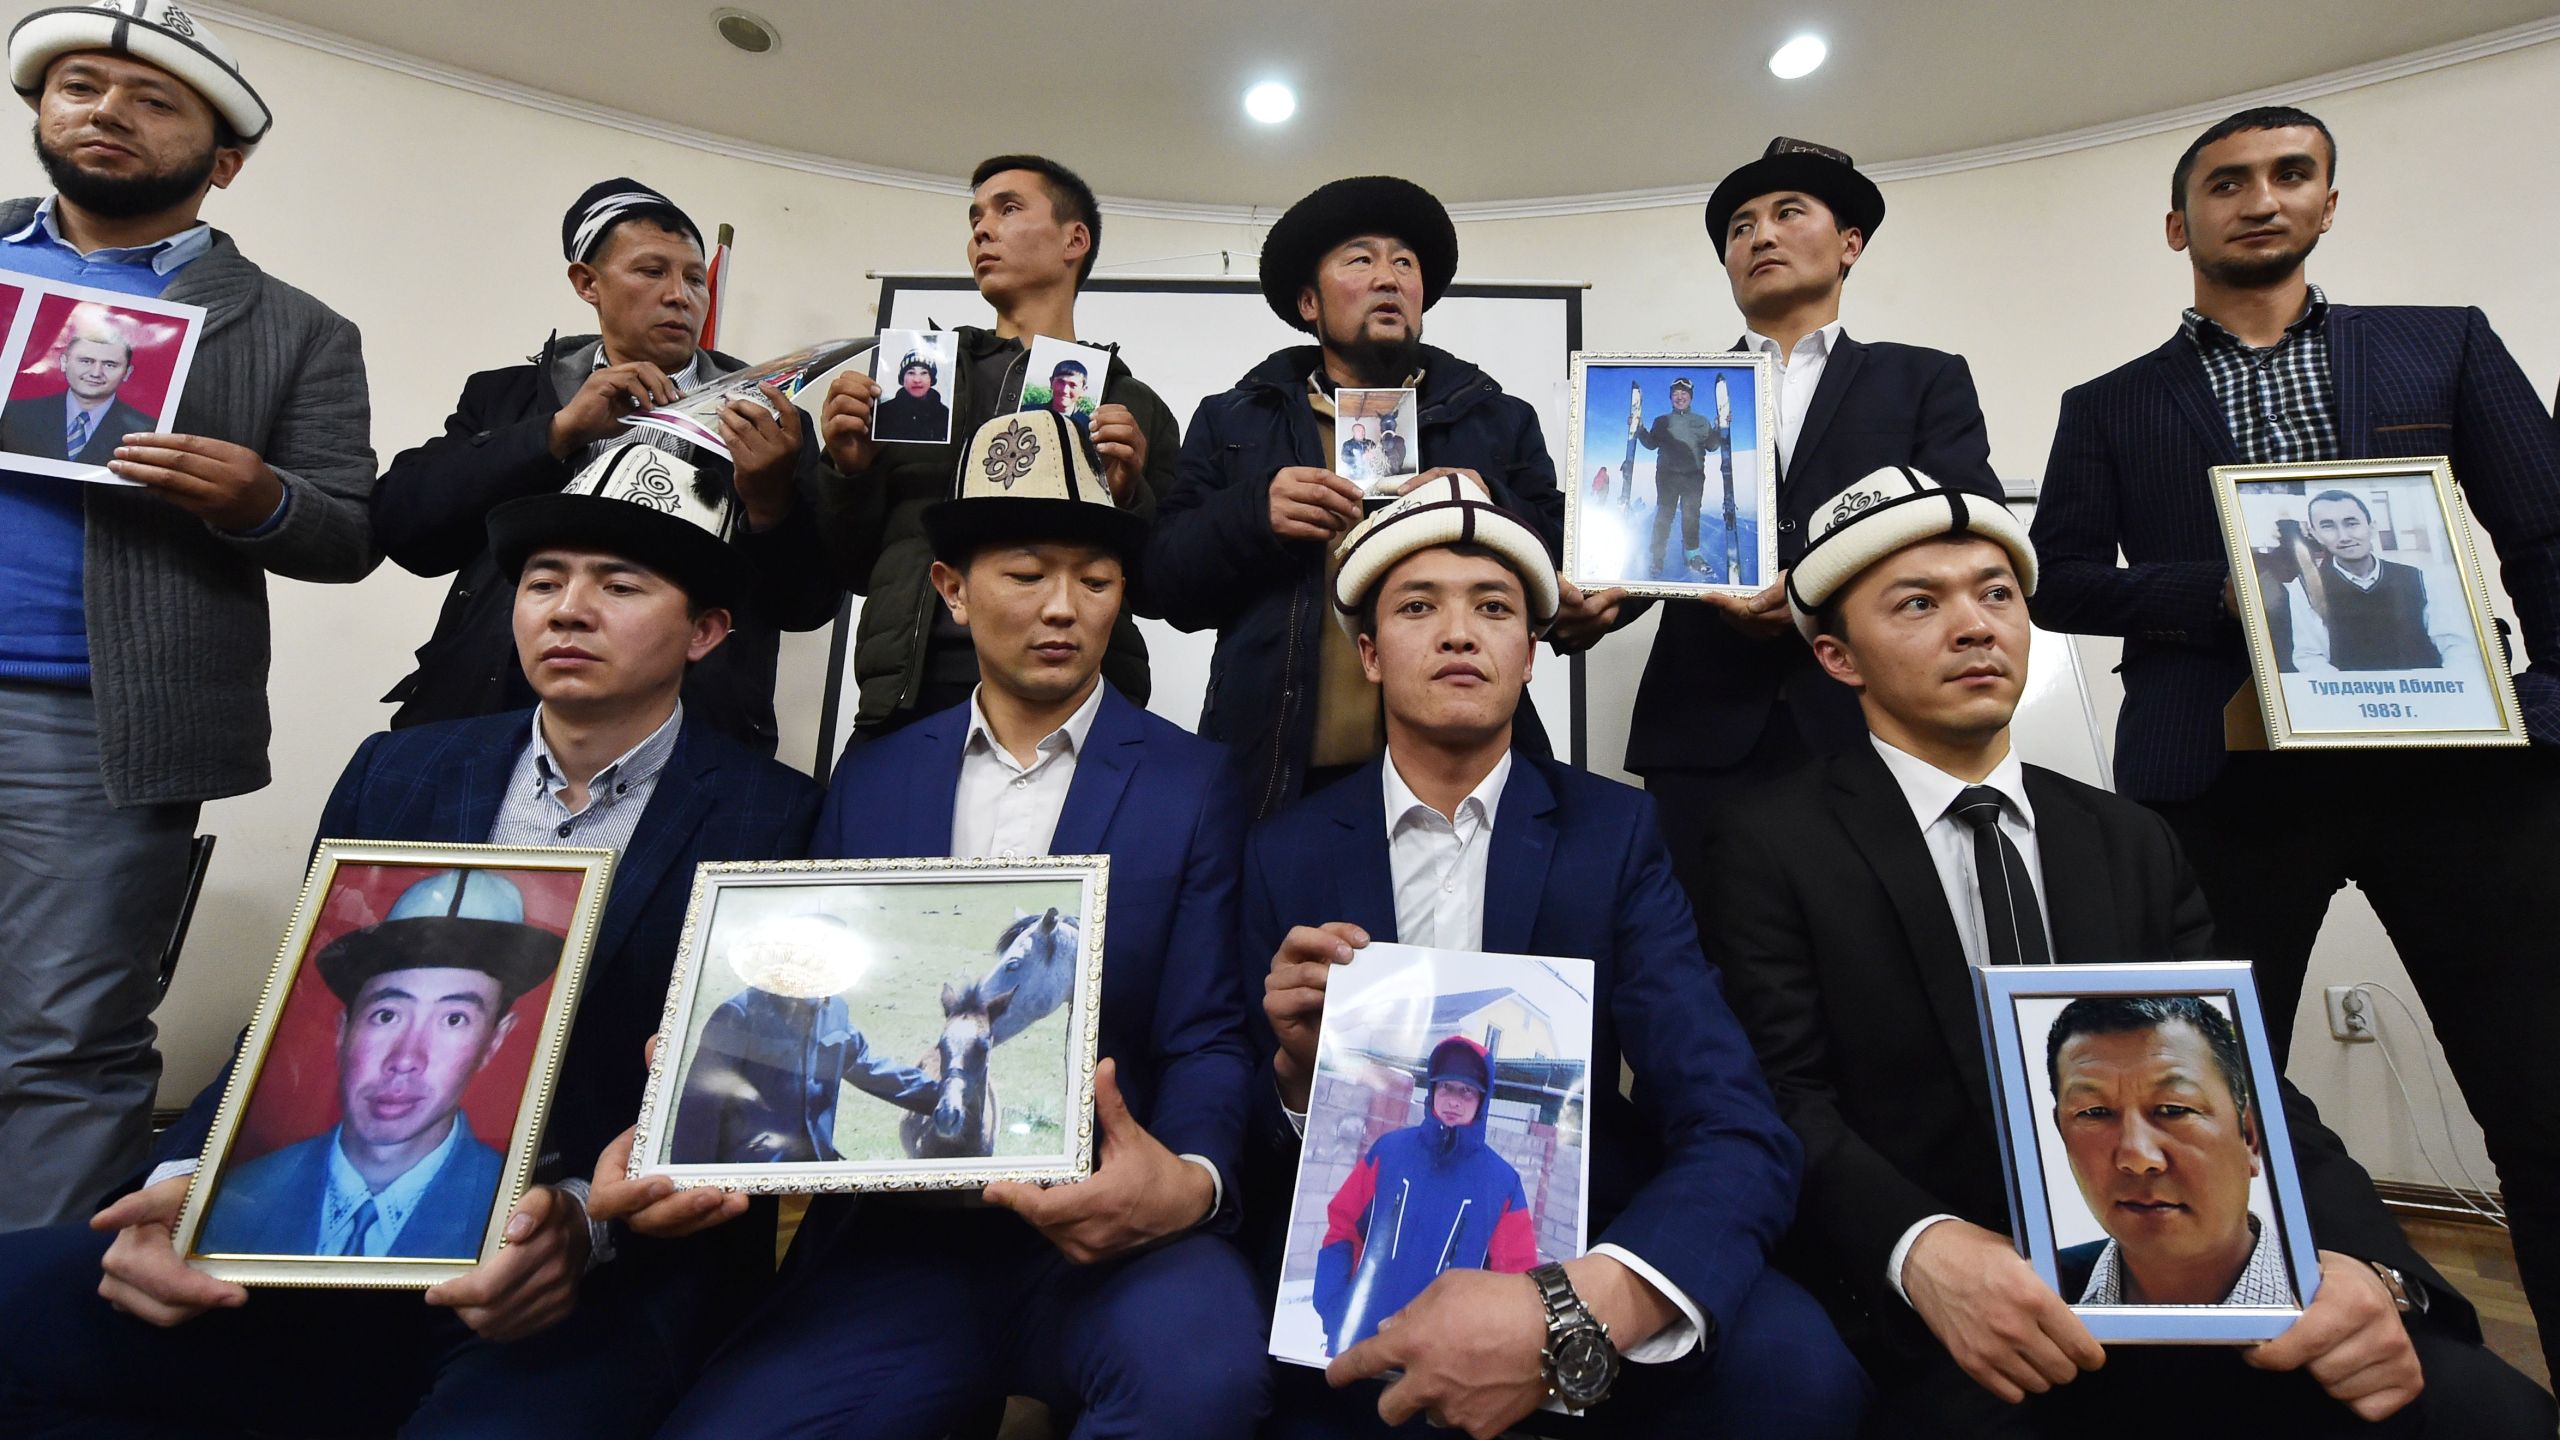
(1798, 57)
(1271, 102)
(749, 32)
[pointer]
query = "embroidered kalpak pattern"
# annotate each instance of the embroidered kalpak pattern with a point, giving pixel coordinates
(649, 482)
(1011, 455)
(178, 21)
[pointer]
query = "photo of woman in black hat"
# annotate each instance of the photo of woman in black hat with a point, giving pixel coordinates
(911, 366)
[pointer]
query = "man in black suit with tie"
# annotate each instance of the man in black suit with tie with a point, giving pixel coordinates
(96, 362)
(1846, 921)
(2455, 848)
(1730, 694)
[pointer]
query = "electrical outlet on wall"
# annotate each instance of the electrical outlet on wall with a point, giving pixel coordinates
(2350, 1014)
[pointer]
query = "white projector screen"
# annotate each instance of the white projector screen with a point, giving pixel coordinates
(1191, 337)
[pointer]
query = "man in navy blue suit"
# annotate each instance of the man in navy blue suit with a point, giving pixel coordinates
(1454, 839)
(558, 1334)
(1730, 693)
(2454, 848)
(1116, 1298)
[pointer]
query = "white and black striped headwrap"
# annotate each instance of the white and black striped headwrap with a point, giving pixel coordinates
(1890, 509)
(606, 201)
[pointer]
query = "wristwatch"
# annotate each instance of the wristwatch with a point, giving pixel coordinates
(2407, 1297)
(1580, 1362)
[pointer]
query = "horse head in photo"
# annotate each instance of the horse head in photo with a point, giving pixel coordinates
(963, 1122)
(1035, 969)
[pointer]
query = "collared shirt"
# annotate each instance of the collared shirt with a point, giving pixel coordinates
(100, 267)
(2262, 1281)
(534, 812)
(1004, 807)
(393, 1204)
(1439, 860)
(1799, 375)
(2280, 401)
(2311, 633)
(1931, 793)
(72, 410)
(684, 379)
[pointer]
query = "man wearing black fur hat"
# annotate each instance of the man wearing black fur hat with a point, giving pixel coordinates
(524, 429)
(1243, 540)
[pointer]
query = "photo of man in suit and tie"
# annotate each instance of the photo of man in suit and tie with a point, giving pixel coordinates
(429, 995)
(87, 418)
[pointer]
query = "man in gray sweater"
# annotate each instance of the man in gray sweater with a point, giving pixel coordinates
(133, 617)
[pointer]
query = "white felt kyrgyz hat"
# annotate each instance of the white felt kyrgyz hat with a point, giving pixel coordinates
(154, 32)
(1893, 508)
(643, 504)
(1451, 510)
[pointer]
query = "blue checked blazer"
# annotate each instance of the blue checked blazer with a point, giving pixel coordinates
(2131, 469)
(716, 800)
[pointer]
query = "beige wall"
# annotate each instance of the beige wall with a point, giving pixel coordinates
(429, 216)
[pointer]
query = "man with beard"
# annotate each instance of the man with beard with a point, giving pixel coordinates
(123, 718)
(525, 429)
(88, 420)
(1244, 544)
(1034, 232)
(2453, 847)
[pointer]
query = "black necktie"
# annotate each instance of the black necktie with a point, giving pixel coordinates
(2013, 923)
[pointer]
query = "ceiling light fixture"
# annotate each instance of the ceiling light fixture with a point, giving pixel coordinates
(1798, 57)
(1271, 102)
(745, 31)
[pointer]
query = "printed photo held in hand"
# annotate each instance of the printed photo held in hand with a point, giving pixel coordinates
(382, 1119)
(1674, 483)
(914, 372)
(1445, 1130)
(1377, 441)
(880, 1025)
(2150, 1167)
(2365, 605)
(1062, 376)
(87, 368)
(800, 376)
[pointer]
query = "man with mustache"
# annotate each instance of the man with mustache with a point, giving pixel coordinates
(96, 360)
(1243, 547)
(638, 262)
(2152, 1099)
(1035, 231)
(124, 716)
(1850, 916)
(2453, 847)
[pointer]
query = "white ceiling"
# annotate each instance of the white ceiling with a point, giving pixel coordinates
(1482, 100)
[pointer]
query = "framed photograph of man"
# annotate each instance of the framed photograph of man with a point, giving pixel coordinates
(2150, 1168)
(880, 1025)
(2365, 605)
(95, 366)
(1066, 377)
(1376, 441)
(1446, 1129)
(1674, 486)
(913, 369)
(384, 1112)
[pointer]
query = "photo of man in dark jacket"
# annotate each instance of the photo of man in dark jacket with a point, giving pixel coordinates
(1682, 440)
(916, 410)
(1430, 1197)
(525, 429)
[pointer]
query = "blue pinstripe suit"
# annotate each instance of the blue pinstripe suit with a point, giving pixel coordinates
(2455, 848)
(381, 1360)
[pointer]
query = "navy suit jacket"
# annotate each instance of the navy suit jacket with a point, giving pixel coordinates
(1695, 1174)
(271, 1206)
(1708, 689)
(2133, 455)
(1164, 805)
(716, 800)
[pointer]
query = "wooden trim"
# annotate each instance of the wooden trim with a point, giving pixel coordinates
(2433, 1202)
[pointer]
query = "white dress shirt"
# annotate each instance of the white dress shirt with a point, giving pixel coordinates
(1799, 375)
(2311, 633)
(1439, 866)
(1005, 809)
(1930, 792)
